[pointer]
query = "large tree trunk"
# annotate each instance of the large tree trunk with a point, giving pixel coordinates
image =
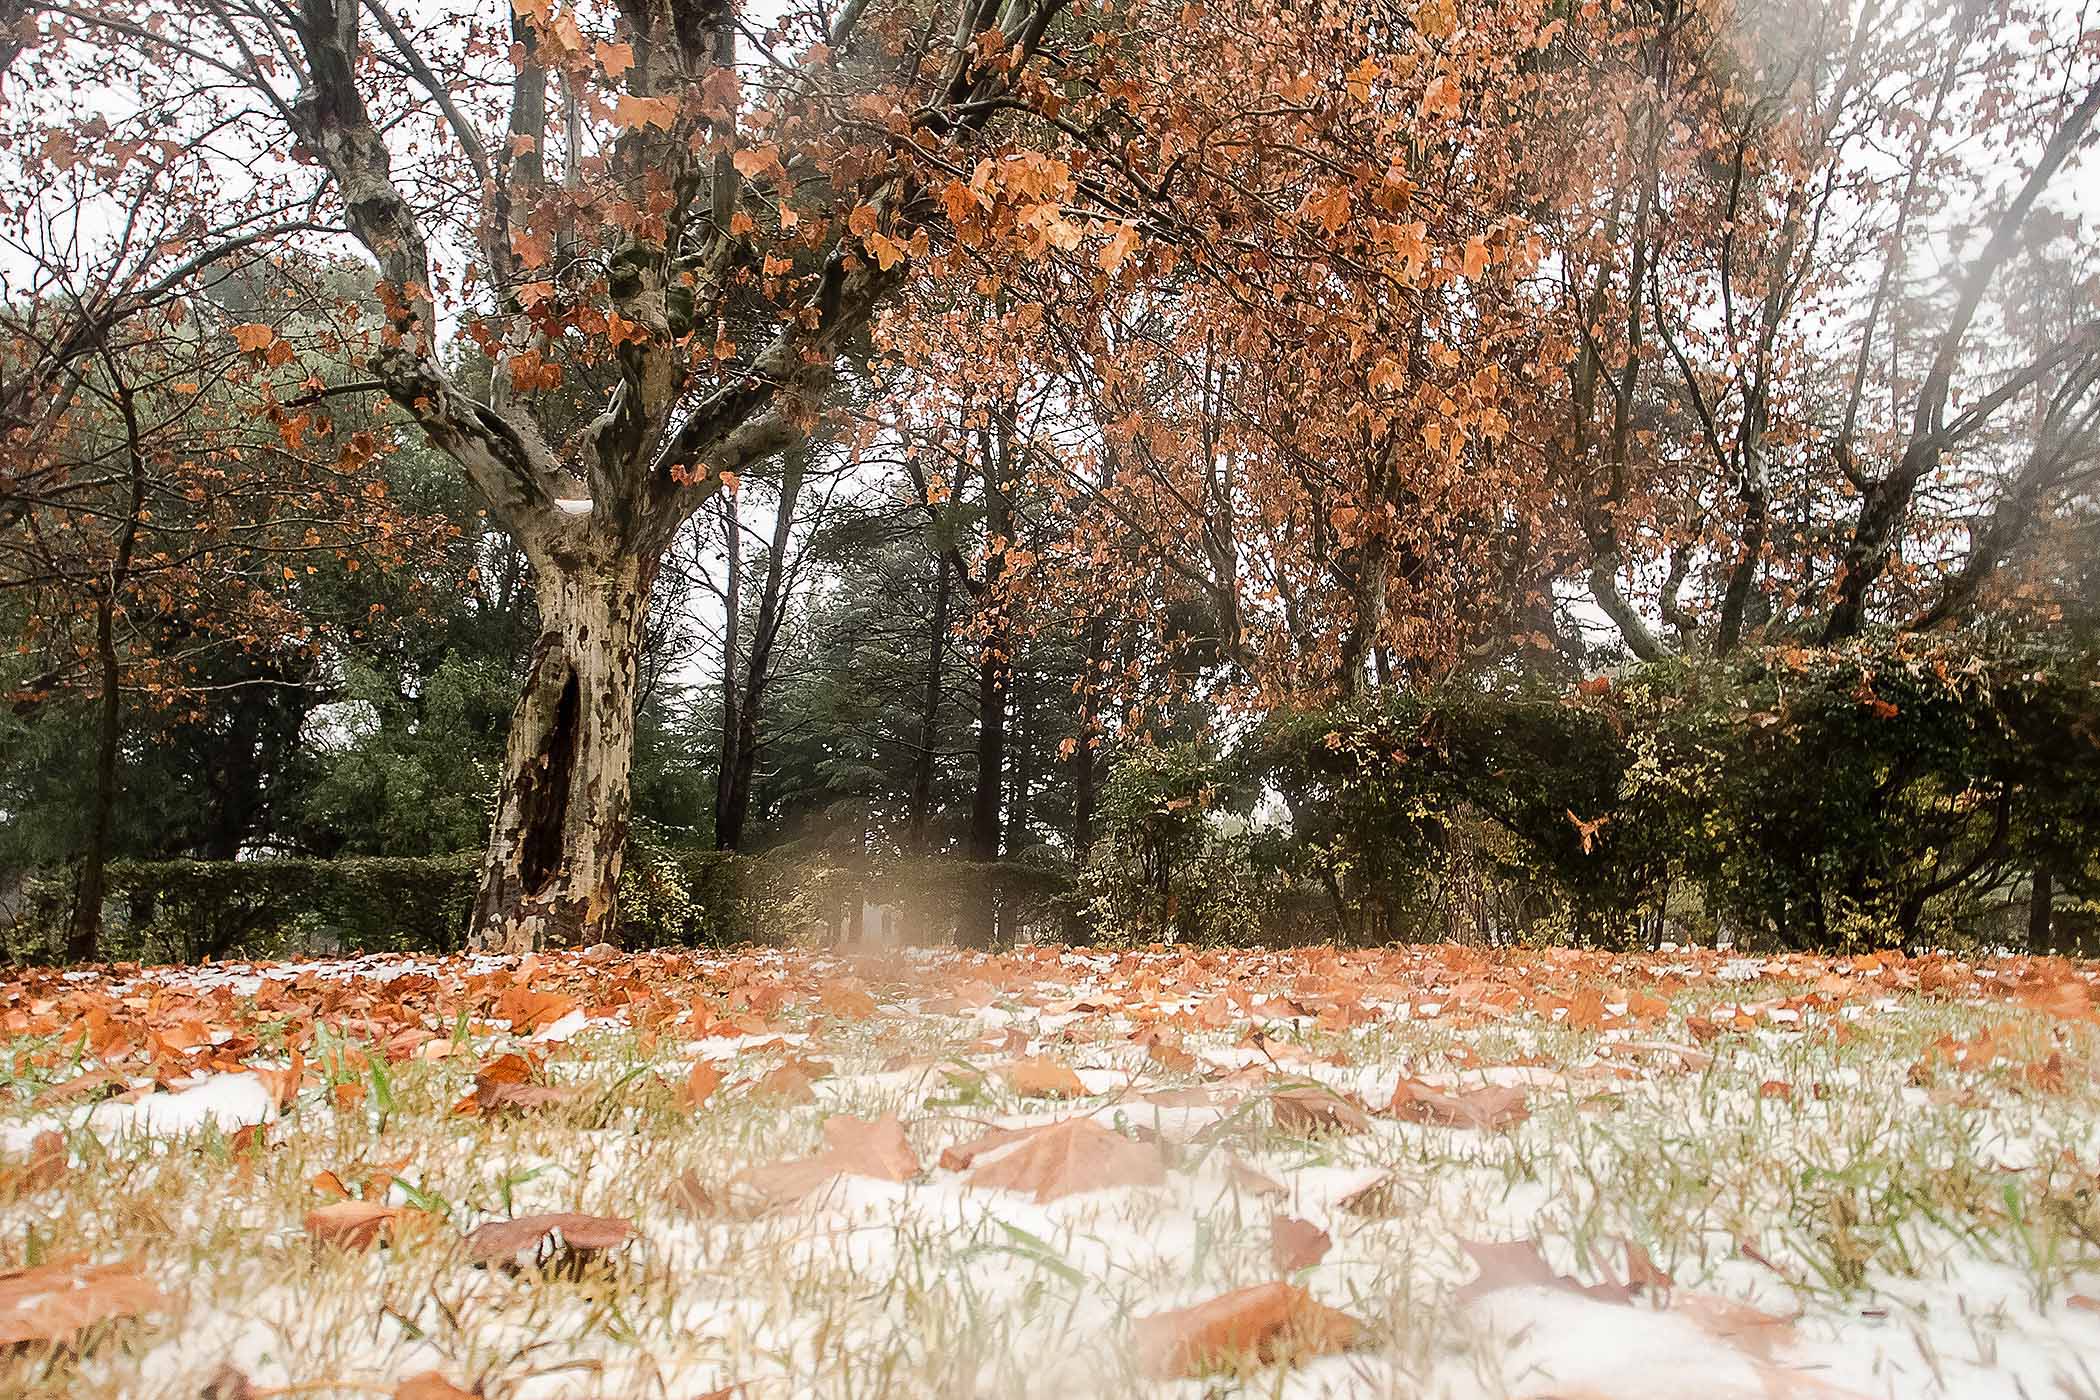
(552, 870)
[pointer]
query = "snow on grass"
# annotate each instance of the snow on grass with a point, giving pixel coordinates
(1870, 1178)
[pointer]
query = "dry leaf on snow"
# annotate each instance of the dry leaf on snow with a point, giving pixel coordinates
(1296, 1244)
(791, 1083)
(48, 1163)
(1314, 1108)
(1267, 1323)
(1520, 1265)
(1245, 1178)
(1379, 1199)
(877, 1149)
(55, 1302)
(80, 1086)
(1748, 1329)
(561, 1235)
(352, 1225)
(700, 1084)
(961, 1155)
(1069, 1157)
(432, 1386)
(856, 1148)
(690, 1195)
(228, 1383)
(1490, 1106)
(1042, 1079)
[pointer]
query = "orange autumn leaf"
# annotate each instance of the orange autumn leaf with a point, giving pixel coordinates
(1262, 1325)
(1314, 1109)
(546, 1237)
(854, 1147)
(1489, 1106)
(700, 1084)
(1069, 1157)
(429, 1385)
(1041, 1079)
(635, 113)
(352, 1225)
(54, 1303)
(1296, 1244)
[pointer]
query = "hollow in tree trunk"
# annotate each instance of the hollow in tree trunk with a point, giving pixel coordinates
(552, 871)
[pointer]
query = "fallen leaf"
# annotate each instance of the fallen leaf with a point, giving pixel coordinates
(1245, 1178)
(700, 1085)
(1519, 1264)
(1642, 1270)
(1069, 1157)
(1490, 1106)
(878, 1149)
(1170, 1056)
(856, 1148)
(1296, 1244)
(961, 1155)
(1041, 1079)
(561, 1235)
(432, 1386)
(1748, 1329)
(690, 1194)
(80, 1086)
(228, 1383)
(56, 1302)
(352, 1225)
(1267, 1323)
(49, 1160)
(788, 1084)
(1314, 1108)
(1380, 1200)
(522, 1098)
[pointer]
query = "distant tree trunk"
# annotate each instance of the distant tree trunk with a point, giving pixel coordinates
(1023, 761)
(725, 769)
(765, 630)
(84, 928)
(930, 713)
(994, 680)
(552, 871)
(2041, 899)
(1085, 758)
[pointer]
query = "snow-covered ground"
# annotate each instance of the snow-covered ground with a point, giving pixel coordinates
(1412, 1172)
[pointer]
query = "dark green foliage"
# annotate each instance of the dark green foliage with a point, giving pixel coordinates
(1896, 790)
(187, 910)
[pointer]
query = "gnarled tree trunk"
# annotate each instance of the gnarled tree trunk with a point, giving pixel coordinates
(553, 865)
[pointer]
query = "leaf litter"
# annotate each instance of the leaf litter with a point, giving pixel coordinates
(1288, 1160)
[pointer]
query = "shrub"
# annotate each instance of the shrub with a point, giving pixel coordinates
(188, 910)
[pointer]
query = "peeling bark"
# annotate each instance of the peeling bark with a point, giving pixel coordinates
(552, 870)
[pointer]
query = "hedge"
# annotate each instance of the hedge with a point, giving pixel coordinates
(1898, 791)
(188, 910)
